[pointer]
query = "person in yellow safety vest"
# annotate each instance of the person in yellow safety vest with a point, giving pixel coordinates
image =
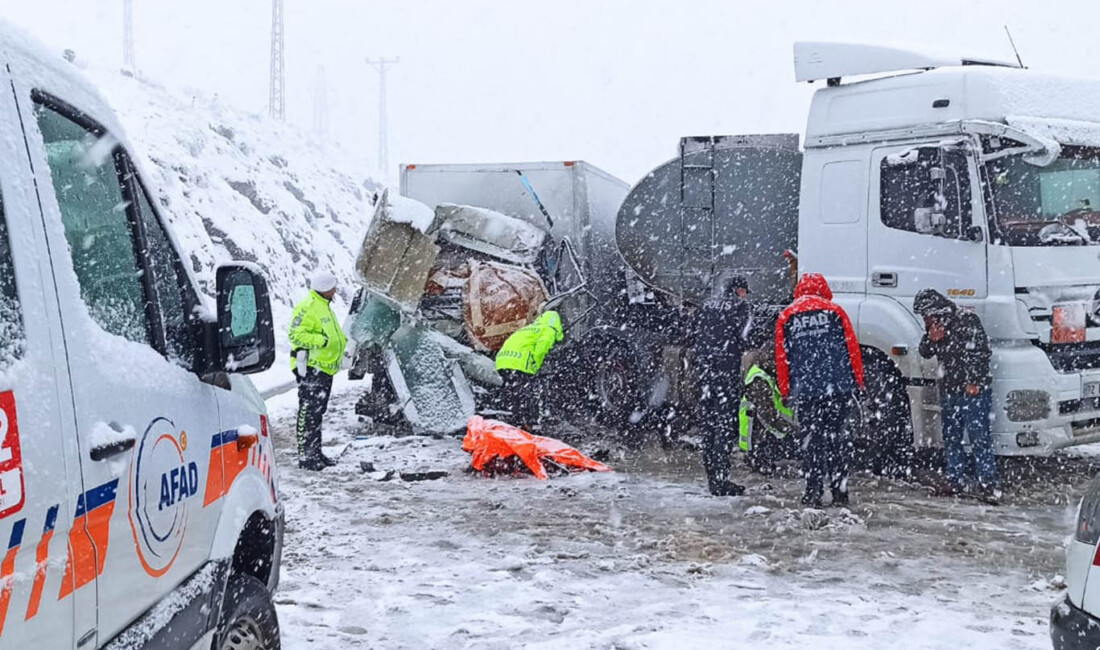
(762, 413)
(519, 362)
(317, 347)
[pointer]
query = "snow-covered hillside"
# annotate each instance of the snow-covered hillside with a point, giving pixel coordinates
(240, 186)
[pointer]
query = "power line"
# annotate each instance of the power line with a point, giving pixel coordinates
(382, 65)
(128, 36)
(276, 104)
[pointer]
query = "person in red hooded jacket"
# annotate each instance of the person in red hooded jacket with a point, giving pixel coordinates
(819, 364)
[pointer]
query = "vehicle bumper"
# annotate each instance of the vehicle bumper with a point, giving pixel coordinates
(1071, 628)
(1070, 419)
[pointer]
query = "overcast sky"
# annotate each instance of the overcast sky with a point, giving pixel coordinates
(614, 82)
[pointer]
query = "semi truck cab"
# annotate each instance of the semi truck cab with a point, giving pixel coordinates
(980, 180)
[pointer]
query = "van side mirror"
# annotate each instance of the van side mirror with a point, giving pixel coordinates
(975, 234)
(246, 334)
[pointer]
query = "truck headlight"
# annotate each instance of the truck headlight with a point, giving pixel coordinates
(1088, 517)
(1027, 405)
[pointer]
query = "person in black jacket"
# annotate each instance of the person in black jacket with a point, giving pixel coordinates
(722, 328)
(958, 341)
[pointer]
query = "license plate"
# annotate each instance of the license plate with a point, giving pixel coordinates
(1090, 389)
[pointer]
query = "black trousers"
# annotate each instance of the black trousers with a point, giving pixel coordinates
(520, 396)
(314, 390)
(720, 389)
(826, 449)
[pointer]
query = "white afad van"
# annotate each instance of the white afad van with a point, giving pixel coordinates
(138, 503)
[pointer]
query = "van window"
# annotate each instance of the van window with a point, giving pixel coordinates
(170, 284)
(11, 319)
(83, 166)
(908, 185)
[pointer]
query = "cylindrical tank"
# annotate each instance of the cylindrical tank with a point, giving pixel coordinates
(728, 204)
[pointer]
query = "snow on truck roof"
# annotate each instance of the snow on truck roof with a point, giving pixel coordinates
(932, 90)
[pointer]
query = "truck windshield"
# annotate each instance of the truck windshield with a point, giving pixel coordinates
(1055, 205)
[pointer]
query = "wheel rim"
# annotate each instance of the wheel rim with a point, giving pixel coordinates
(244, 634)
(611, 384)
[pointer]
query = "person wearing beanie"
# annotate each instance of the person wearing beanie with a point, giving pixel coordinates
(721, 332)
(956, 338)
(317, 347)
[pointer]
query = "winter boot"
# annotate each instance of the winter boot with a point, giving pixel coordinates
(840, 493)
(812, 496)
(312, 463)
(725, 488)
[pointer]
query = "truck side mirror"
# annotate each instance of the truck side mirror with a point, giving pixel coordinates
(246, 335)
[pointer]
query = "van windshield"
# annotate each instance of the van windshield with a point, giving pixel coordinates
(1055, 205)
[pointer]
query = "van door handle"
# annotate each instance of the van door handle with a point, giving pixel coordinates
(884, 279)
(119, 440)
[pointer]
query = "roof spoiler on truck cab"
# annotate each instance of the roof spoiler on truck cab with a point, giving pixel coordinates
(814, 60)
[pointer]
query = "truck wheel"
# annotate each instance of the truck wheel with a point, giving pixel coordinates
(884, 435)
(615, 388)
(248, 620)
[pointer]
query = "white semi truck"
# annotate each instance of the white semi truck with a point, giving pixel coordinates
(978, 179)
(975, 178)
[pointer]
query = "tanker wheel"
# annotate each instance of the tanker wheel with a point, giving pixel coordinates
(615, 388)
(883, 440)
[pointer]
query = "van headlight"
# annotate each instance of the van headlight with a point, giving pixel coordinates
(1088, 517)
(1027, 405)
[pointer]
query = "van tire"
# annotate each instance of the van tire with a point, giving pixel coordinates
(248, 620)
(884, 425)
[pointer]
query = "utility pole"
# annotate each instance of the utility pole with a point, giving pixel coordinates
(276, 104)
(128, 63)
(320, 103)
(383, 127)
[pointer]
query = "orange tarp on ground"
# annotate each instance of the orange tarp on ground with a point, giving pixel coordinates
(489, 439)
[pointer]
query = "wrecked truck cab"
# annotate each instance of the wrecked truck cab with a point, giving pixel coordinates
(434, 291)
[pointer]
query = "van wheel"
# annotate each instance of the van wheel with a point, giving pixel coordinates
(248, 620)
(884, 434)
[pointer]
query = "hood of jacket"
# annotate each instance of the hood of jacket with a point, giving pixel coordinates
(929, 302)
(813, 284)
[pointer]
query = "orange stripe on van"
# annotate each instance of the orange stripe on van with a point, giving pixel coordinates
(7, 570)
(214, 481)
(41, 558)
(89, 537)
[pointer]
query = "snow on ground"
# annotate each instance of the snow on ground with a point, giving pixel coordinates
(644, 558)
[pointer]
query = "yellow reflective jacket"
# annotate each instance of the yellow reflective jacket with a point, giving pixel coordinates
(314, 328)
(526, 348)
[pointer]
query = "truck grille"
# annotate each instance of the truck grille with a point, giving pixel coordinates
(1072, 406)
(1070, 357)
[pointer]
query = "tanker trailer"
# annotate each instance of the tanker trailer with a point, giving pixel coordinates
(726, 205)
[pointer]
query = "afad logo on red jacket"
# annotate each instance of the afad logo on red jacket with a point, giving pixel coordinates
(162, 482)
